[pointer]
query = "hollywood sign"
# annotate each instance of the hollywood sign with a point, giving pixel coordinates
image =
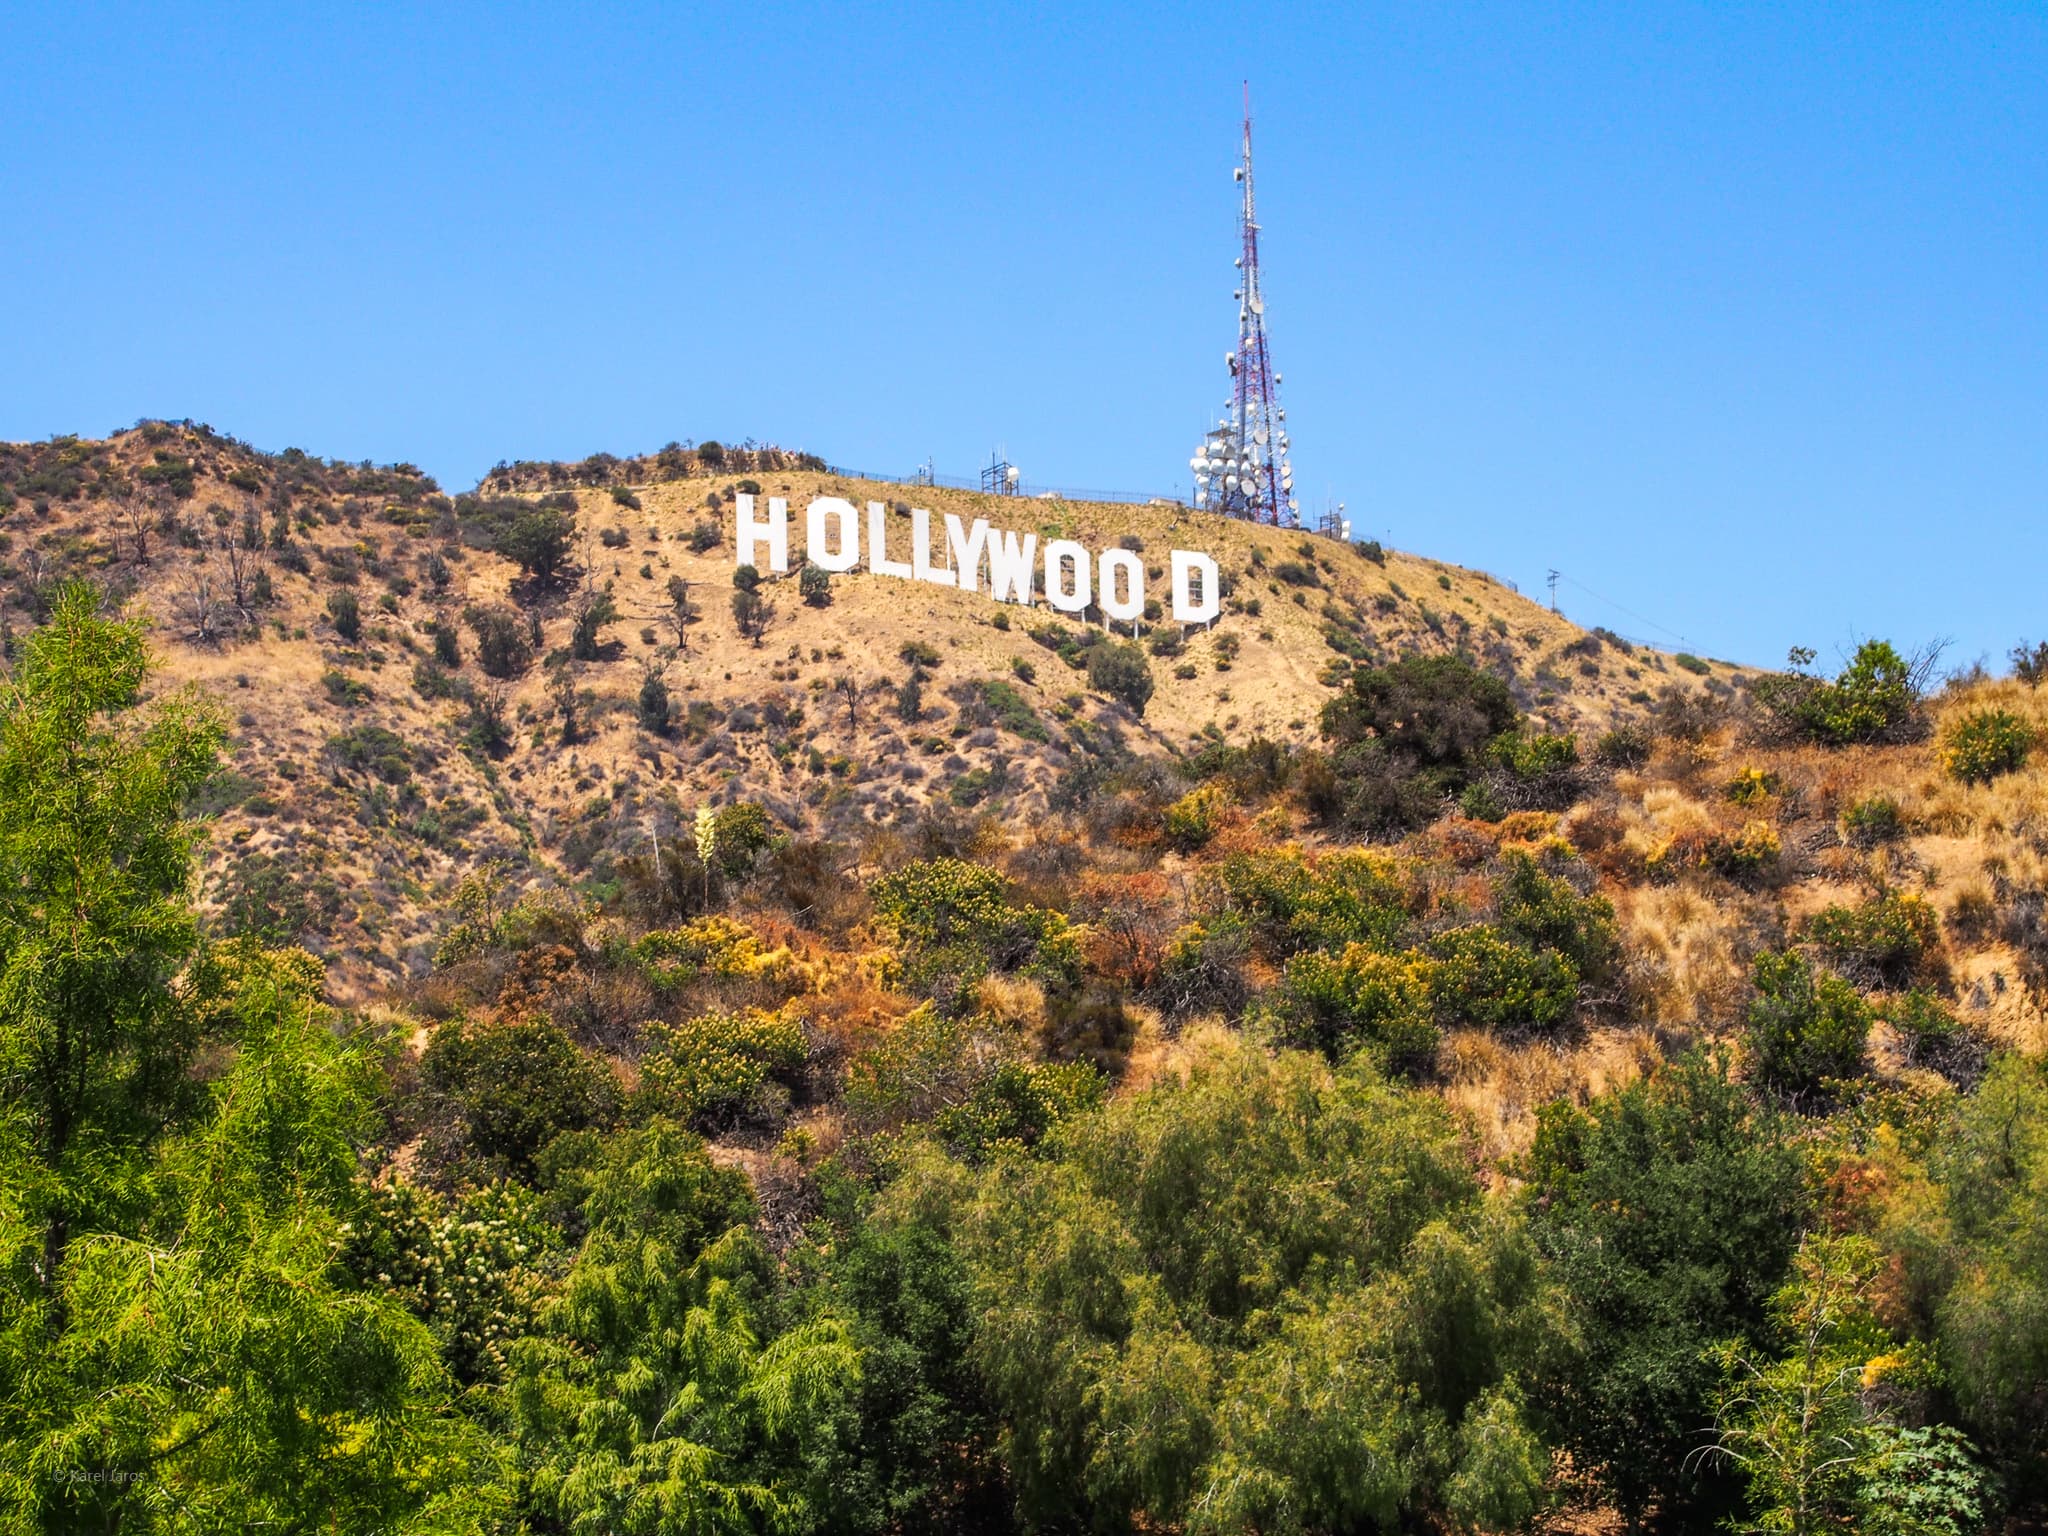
(1070, 578)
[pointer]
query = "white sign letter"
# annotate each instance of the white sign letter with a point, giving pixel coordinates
(965, 549)
(1067, 597)
(878, 543)
(817, 548)
(1186, 608)
(749, 531)
(1132, 603)
(921, 550)
(1010, 568)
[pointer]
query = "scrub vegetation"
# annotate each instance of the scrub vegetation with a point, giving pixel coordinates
(1462, 1114)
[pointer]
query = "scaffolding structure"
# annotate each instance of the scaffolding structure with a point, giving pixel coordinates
(1241, 468)
(1001, 477)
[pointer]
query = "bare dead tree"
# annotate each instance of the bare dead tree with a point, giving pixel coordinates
(131, 515)
(199, 605)
(241, 564)
(848, 687)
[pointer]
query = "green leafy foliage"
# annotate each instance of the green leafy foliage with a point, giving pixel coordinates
(715, 1069)
(516, 1086)
(1972, 1228)
(1883, 939)
(1805, 1026)
(956, 923)
(1229, 1305)
(1121, 671)
(1669, 1210)
(1984, 744)
(663, 1396)
(539, 541)
(1408, 736)
(1874, 698)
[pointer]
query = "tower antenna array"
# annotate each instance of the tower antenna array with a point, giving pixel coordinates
(1242, 468)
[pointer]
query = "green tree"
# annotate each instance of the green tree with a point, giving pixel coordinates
(654, 707)
(593, 612)
(538, 541)
(200, 1368)
(1408, 736)
(814, 585)
(1802, 1426)
(94, 925)
(1669, 1210)
(662, 1397)
(1121, 671)
(751, 613)
(1264, 1296)
(1971, 1228)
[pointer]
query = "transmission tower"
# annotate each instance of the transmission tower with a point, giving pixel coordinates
(1241, 468)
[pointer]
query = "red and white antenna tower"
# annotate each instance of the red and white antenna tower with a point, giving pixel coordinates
(1241, 469)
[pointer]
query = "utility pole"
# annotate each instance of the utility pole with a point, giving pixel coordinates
(1553, 591)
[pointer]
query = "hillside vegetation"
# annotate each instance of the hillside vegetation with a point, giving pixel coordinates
(1426, 1069)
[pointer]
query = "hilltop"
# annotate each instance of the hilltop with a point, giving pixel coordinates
(368, 776)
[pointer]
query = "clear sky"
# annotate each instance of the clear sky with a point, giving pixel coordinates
(1735, 314)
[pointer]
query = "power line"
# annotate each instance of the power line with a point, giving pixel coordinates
(1556, 576)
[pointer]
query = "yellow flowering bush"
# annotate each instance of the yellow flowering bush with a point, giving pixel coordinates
(717, 1067)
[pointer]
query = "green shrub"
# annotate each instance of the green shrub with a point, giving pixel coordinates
(373, 750)
(502, 647)
(1691, 663)
(1202, 970)
(1804, 1027)
(1752, 786)
(1012, 710)
(1483, 977)
(1546, 912)
(1878, 819)
(1874, 698)
(1882, 939)
(516, 1086)
(1984, 744)
(1533, 754)
(343, 690)
(1361, 1000)
(1927, 1027)
(653, 706)
(346, 613)
(1408, 735)
(956, 923)
(447, 645)
(1192, 819)
(814, 585)
(1015, 1106)
(1121, 671)
(1626, 746)
(715, 1070)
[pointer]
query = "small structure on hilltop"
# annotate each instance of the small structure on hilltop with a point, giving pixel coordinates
(1241, 468)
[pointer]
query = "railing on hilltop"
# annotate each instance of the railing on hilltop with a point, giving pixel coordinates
(1025, 491)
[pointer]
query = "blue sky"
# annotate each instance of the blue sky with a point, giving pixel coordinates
(1735, 314)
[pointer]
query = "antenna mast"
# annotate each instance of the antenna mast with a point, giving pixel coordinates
(1242, 468)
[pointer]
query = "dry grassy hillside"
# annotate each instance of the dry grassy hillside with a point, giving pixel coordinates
(333, 830)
